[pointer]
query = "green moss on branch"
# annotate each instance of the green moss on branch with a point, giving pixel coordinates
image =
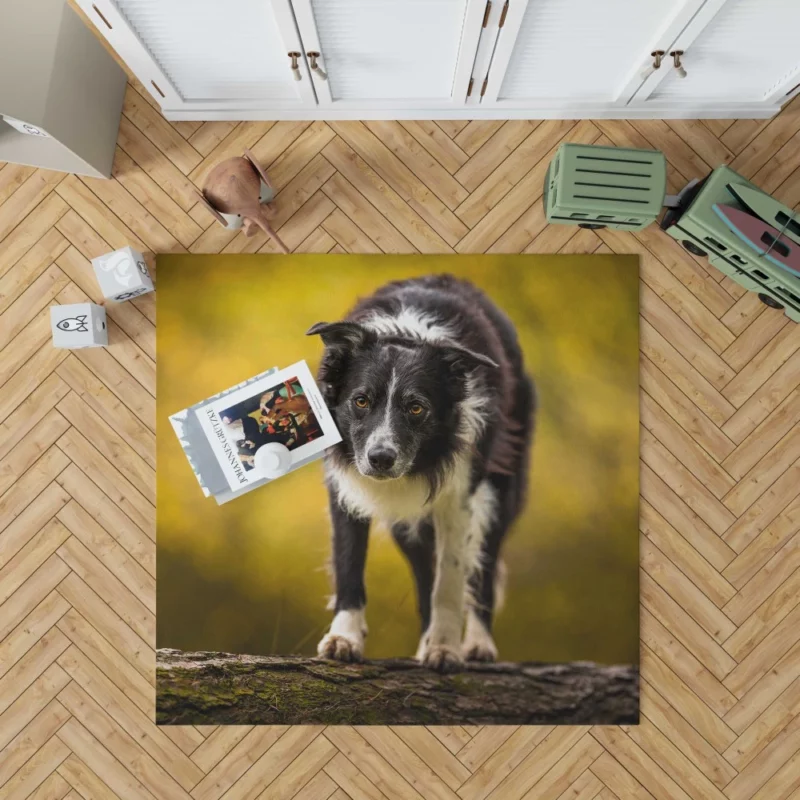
(206, 688)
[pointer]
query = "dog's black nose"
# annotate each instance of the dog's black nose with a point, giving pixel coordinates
(382, 458)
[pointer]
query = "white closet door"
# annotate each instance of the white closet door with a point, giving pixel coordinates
(391, 53)
(207, 53)
(570, 53)
(748, 52)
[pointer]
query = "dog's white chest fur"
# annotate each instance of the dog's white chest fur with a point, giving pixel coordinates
(403, 499)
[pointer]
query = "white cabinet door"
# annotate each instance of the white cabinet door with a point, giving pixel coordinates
(386, 54)
(734, 52)
(206, 54)
(574, 55)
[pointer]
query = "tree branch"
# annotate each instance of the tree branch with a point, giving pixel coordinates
(206, 688)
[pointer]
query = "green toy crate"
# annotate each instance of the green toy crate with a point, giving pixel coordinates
(697, 227)
(598, 187)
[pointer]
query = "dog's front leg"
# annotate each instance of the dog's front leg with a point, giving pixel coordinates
(440, 647)
(345, 639)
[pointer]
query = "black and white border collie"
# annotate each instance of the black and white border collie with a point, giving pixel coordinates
(426, 383)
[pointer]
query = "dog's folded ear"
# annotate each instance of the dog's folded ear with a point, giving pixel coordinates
(341, 340)
(342, 334)
(460, 359)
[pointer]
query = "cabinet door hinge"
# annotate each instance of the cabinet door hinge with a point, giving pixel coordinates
(503, 15)
(487, 12)
(483, 88)
(469, 88)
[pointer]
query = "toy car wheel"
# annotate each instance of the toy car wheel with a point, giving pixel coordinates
(592, 226)
(769, 301)
(693, 248)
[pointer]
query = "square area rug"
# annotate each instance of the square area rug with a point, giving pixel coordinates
(466, 554)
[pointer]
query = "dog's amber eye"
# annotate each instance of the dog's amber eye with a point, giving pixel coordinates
(361, 401)
(415, 409)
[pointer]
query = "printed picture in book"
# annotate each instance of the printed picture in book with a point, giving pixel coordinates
(398, 490)
(282, 414)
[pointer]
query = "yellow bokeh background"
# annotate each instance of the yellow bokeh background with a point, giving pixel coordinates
(250, 576)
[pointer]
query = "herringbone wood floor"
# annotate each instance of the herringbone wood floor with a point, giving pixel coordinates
(720, 508)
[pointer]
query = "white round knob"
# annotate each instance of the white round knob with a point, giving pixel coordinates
(647, 72)
(272, 460)
(677, 55)
(657, 56)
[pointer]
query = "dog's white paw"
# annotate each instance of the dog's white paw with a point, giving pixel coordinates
(478, 643)
(345, 640)
(485, 651)
(439, 657)
(340, 648)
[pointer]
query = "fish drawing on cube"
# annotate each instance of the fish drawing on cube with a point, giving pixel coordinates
(78, 325)
(122, 274)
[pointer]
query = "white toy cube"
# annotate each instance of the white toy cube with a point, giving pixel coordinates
(122, 274)
(78, 325)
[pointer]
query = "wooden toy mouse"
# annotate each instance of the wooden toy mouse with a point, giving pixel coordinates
(235, 188)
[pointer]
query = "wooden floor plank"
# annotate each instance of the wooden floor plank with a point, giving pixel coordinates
(105, 583)
(347, 234)
(669, 732)
(372, 226)
(452, 127)
(29, 195)
(679, 477)
(144, 153)
(692, 324)
(36, 550)
(98, 469)
(36, 296)
(430, 208)
(31, 630)
(30, 485)
(524, 192)
(757, 736)
(136, 108)
(385, 200)
(101, 762)
(692, 635)
(30, 266)
(437, 143)
(25, 599)
(103, 619)
(34, 226)
(37, 772)
(114, 447)
(150, 195)
(680, 553)
(475, 134)
(227, 772)
(498, 182)
(419, 161)
(684, 591)
(300, 152)
(244, 135)
(687, 703)
(30, 738)
(84, 782)
(12, 176)
(115, 522)
(120, 744)
(682, 446)
(493, 153)
(350, 780)
(209, 135)
(678, 152)
(685, 413)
